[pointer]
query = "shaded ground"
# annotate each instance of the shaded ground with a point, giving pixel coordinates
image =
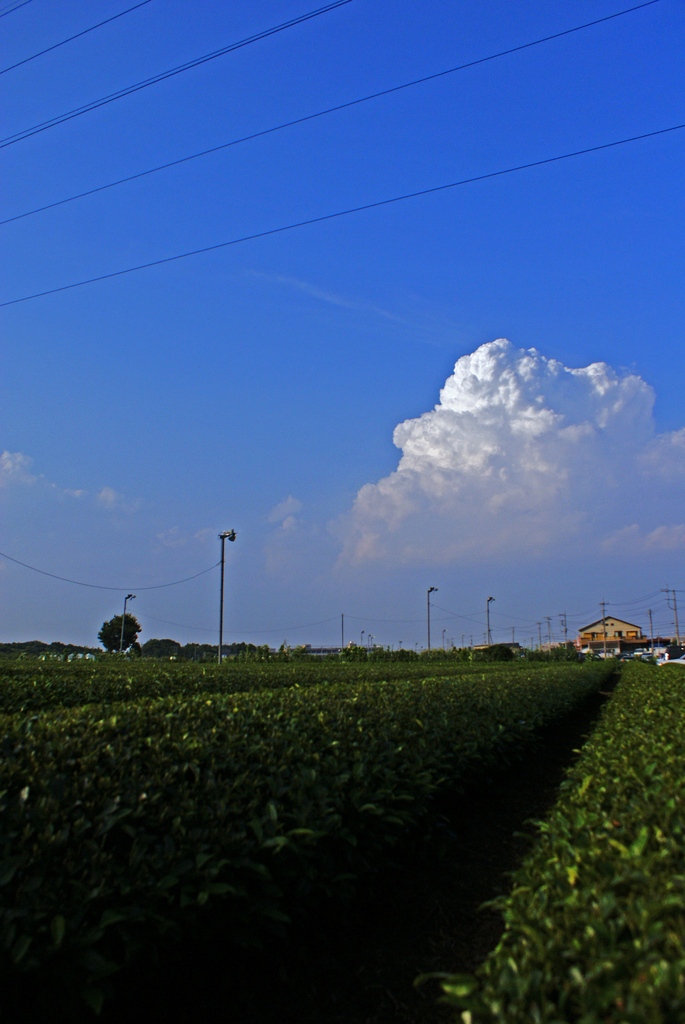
(357, 964)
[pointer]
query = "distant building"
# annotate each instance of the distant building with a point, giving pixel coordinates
(615, 629)
(618, 635)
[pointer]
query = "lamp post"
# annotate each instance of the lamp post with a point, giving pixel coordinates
(487, 616)
(443, 639)
(230, 534)
(428, 610)
(369, 638)
(361, 642)
(129, 597)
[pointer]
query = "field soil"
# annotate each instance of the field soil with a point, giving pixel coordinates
(356, 963)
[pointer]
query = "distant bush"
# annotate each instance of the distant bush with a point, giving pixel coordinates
(496, 652)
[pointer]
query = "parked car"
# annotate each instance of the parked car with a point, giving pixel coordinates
(671, 661)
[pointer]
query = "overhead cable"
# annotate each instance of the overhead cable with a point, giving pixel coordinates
(10, 8)
(250, 632)
(78, 35)
(181, 625)
(339, 213)
(97, 586)
(95, 104)
(311, 117)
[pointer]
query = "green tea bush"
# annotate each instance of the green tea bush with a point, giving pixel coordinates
(595, 922)
(30, 686)
(120, 823)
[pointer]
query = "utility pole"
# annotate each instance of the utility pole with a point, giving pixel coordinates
(342, 631)
(562, 616)
(674, 609)
(230, 534)
(513, 630)
(549, 629)
(443, 639)
(129, 597)
(487, 615)
(604, 624)
(428, 613)
(651, 629)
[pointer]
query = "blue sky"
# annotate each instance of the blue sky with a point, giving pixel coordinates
(203, 394)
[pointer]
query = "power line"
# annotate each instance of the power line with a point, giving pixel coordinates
(71, 38)
(12, 7)
(95, 104)
(97, 586)
(311, 117)
(250, 632)
(181, 625)
(339, 213)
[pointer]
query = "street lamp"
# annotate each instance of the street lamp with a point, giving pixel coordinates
(361, 642)
(230, 535)
(443, 639)
(129, 597)
(369, 638)
(428, 609)
(487, 610)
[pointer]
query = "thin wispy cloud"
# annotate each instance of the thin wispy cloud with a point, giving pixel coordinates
(325, 295)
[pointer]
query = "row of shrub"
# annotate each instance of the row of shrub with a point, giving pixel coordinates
(121, 824)
(595, 922)
(28, 686)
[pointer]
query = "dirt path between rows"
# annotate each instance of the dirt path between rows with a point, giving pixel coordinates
(357, 964)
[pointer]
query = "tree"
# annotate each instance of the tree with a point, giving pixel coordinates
(110, 634)
(161, 648)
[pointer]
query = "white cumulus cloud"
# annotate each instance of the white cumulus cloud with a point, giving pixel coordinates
(15, 468)
(523, 455)
(284, 512)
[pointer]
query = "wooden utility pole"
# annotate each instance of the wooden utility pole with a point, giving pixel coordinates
(604, 624)
(651, 629)
(674, 610)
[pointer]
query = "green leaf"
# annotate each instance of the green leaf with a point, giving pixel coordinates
(640, 843)
(8, 868)
(57, 929)
(256, 827)
(94, 998)
(20, 948)
(111, 917)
